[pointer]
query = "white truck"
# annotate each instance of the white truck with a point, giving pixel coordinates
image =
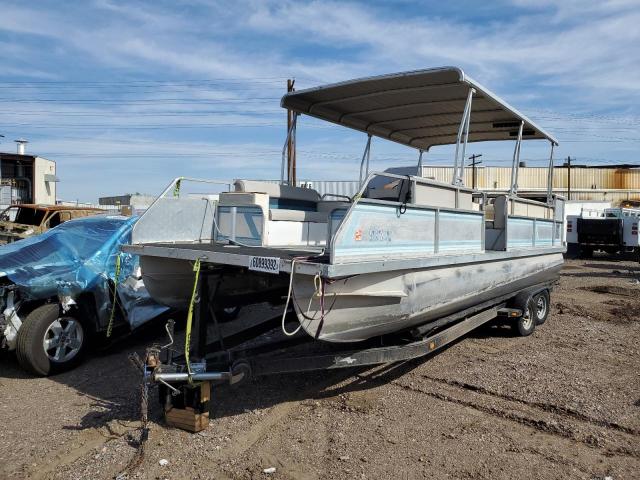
(614, 230)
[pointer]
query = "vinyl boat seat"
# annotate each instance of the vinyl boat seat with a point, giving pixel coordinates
(292, 216)
(278, 191)
(286, 203)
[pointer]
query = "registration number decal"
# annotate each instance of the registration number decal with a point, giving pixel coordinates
(265, 264)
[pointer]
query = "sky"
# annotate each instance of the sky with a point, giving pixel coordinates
(126, 95)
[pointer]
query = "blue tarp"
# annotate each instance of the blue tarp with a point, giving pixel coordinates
(78, 256)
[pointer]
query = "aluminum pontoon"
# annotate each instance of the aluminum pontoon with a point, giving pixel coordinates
(404, 252)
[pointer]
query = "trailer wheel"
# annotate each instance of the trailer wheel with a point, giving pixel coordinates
(49, 343)
(541, 302)
(526, 324)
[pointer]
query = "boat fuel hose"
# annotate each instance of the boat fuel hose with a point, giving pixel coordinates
(192, 302)
(115, 296)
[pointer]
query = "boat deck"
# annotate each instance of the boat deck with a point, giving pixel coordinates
(310, 261)
(288, 253)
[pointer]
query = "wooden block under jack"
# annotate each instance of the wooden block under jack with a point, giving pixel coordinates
(188, 418)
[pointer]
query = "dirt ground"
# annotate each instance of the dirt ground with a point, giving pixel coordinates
(563, 403)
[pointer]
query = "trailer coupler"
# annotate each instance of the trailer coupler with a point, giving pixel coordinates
(155, 371)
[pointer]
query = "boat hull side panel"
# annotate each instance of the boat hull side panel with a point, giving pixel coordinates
(365, 306)
(169, 281)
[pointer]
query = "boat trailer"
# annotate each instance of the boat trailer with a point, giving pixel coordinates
(233, 352)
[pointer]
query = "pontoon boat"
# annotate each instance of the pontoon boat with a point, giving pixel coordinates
(404, 252)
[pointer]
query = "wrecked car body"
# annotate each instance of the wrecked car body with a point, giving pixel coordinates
(60, 290)
(22, 221)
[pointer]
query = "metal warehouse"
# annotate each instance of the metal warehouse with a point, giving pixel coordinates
(607, 183)
(26, 178)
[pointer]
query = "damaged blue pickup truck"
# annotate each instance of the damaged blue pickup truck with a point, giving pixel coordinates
(67, 287)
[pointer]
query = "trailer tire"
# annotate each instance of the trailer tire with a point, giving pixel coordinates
(38, 327)
(542, 303)
(526, 324)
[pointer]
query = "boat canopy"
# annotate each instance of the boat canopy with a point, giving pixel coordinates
(418, 109)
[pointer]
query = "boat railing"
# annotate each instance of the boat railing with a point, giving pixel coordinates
(518, 223)
(183, 212)
(396, 219)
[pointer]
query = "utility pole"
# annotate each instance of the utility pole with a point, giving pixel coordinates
(568, 178)
(473, 168)
(291, 147)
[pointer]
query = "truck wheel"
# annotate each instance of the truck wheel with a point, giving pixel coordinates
(586, 252)
(49, 343)
(541, 302)
(526, 324)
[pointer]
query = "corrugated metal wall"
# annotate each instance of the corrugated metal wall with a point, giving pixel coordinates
(334, 187)
(602, 184)
(536, 177)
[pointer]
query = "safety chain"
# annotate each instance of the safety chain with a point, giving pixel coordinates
(138, 457)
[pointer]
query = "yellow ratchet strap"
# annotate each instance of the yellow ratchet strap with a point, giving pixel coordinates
(115, 296)
(187, 338)
(176, 188)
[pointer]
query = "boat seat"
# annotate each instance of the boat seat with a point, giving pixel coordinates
(297, 216)
(276, 190)
(489, 212)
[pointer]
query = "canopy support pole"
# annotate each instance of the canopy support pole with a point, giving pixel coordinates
(464, 147)
(516, 162)
(550, 177)
(290, 136)
(463, 132)
(419, 168)
(365, 158)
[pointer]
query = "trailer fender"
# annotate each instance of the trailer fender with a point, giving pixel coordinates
(521, 300)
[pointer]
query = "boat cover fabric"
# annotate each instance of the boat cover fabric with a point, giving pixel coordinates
(80, 256)
(419, 109)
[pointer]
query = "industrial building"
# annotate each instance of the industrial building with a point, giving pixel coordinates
(615, 184)
(26, 178)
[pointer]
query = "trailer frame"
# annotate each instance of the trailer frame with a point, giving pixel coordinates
(220, 360)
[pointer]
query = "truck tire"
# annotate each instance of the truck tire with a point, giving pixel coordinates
(542, 303)
(65, 337)
(526, 324)
(586, 252)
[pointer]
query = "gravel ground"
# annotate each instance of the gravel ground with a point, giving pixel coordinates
(563, 403)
